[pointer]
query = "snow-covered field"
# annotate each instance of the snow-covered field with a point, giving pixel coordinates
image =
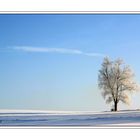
(67, 118)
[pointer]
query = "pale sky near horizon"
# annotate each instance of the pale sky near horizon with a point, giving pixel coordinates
(51, 62)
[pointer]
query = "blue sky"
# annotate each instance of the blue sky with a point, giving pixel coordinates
(51, 62)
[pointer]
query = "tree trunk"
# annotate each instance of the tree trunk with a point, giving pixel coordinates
(115, 106)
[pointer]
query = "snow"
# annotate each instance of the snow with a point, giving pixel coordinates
(68, 118)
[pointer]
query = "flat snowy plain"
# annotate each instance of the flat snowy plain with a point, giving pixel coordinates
(69, 118)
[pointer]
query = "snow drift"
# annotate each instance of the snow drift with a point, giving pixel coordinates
(69, 118)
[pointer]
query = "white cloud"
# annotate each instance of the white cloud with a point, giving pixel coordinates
(56, 50)
(95, 54)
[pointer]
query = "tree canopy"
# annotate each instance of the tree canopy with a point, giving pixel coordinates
(116, 80)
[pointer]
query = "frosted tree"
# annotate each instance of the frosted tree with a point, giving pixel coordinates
(116, 80)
